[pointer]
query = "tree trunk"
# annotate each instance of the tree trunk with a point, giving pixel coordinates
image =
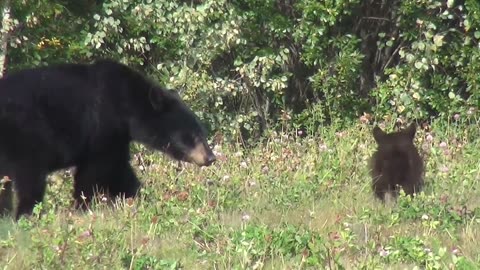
(5, 32)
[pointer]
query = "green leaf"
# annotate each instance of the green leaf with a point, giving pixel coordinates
(438, 40)
(421, 46)
(410, 57)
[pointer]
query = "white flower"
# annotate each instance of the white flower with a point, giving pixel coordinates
(383, 252)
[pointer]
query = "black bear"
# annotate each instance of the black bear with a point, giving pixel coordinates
(86, 115)
(396, 163)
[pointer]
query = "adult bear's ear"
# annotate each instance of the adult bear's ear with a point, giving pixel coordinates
(154, 98)
(163, 99)
(410, 131)
(378, 134)
(157, 98)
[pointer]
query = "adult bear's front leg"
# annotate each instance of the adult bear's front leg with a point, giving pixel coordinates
(123, 182)
(88, 180)
(110, 173)
(6, 197)
(30, 186)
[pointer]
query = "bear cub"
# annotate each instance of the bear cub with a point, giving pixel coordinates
(85, 116)
(396, 163)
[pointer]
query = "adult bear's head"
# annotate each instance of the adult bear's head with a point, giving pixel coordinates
(167, 124)
(158, 117)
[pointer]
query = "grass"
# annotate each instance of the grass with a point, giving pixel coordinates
(289, 203)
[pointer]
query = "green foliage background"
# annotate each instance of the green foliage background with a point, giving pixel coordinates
(253, 68)
(248, 65)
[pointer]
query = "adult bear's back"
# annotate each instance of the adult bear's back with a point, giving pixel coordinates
(57, 113)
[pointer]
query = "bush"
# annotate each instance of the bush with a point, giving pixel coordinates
(247, 66)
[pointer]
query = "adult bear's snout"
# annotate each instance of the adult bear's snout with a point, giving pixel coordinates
(202, 155)
(210, 159)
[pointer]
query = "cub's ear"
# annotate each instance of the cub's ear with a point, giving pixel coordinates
(378, 134)
(410, 131)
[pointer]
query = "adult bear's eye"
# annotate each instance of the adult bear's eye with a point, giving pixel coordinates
(187, 139)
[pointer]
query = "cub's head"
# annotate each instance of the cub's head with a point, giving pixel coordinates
(399, 139)
(166, 123)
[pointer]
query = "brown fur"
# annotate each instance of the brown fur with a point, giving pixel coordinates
(396, 163)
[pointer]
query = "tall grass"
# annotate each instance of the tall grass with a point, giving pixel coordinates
(288, 203)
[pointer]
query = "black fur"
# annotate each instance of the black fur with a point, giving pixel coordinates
(396, 163)
(85, 115)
